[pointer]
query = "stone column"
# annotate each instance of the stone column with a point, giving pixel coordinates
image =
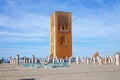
(106, 60)
(40, 60)
(98, 58)
(29, 60)
(109, 60)
(57, 60)
(100, 61)
(10, 58)
(48, 59)
(33, 59)
(91, 59)
(70, 60)
(12, 61)
(53, 60)
(78, 60)
(36, 60)
(117, 59)
(60, 60)
(24, 60)
(88, 60)
(17, 60)
(94, 60)
(82, 60)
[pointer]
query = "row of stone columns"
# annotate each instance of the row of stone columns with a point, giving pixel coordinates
(104, 60)
(14, 60)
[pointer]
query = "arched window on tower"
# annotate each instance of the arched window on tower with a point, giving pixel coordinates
(63, 40)
(63, 27)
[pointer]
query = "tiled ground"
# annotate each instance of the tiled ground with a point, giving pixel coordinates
(74, 72)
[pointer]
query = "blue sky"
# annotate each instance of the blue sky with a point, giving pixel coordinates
(25, 26)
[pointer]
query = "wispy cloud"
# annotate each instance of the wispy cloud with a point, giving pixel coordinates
(24, 25)
(101, 23)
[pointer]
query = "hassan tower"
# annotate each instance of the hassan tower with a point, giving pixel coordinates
(60, 35)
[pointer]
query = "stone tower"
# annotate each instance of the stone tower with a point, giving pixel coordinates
(60, 35)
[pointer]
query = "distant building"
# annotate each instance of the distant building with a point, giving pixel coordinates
(60, 35)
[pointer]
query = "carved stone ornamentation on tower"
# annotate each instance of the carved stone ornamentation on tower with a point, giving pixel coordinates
(62, 21)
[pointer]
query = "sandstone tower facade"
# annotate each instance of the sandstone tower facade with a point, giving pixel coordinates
(60, 35)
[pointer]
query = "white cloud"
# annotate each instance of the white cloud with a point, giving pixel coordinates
(22, 37)
(29, 28)
(29, 22)
(24, 25)
(103, 25)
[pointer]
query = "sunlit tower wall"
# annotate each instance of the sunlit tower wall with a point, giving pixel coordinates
(60, 35)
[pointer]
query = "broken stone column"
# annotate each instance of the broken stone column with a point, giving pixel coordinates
(13, 60)
(57, 60)
(88, 60)
(24, 60)
(10, 58)
(100, 61)
(63, 60)
(60, 60)
(48, 59)
(33, 59)
(78, 60)
(83, 60)
(53, 60)
(36, 60)
(91, 59)
(117, 59)
(17, 60)
(70, 60)
(109, 60)
(40, 60)
(98, 58)
(94, 60)
(29, 61)
(106, 60)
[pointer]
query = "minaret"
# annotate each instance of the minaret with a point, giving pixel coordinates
(60, 35)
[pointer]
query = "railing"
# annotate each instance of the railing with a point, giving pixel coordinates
(48, 65)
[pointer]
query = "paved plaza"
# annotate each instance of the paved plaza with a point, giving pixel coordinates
(73, 72)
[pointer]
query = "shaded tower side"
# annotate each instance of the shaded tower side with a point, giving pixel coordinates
(60, 35)
(52, 36)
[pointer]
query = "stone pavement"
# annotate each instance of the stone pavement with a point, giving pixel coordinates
(73, 72)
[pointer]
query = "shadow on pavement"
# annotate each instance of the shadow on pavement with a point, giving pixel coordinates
(28, 79)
